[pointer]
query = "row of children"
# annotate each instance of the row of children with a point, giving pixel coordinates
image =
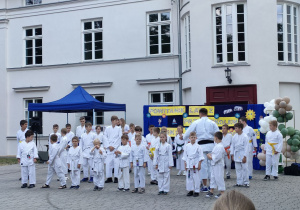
(157, 152)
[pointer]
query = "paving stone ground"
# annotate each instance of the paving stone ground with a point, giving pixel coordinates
(273, 195)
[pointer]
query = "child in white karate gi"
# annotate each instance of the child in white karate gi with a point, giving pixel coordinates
(123, 153)
(154, 142)
(55, 131)
(98, 156)
(63, 154)
(138, 163)
(81, 128)
(217, 166)
(193, 157)
(163, 161)
(112, 135)
(74, 161)
(179, 145)
(86, 144)
(22, 131)
(69, 135)
(100, 136)
(54, 164)
(149, 137)
(226, 141)
(27, 154)
(131, 132)
(239, 153)
(138, 130)
(273, 147)
(169, 139)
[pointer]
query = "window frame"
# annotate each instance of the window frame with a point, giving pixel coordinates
(33, 38)
(95, 112)
(285, 34)
(159, 23)
(161, 98)
(34, 113)
(91, 31)
(235, 32)
(187, 41)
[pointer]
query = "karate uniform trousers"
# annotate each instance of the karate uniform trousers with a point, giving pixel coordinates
(124, 178)
(139, 176)
(272, 164)
(217, 168)
(98, 166)
(250, 160)
(124, 159)
(193, 180)
(227, 162)
(112, 162)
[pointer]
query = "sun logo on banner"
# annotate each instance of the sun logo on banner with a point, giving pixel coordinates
(250, 115)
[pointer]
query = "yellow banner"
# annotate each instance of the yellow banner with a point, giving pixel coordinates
(230, 121)
(257, 133)
(194, 110)
(173, 131)
(168, 110)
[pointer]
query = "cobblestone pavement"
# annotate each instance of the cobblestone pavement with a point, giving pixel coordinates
(282, 194)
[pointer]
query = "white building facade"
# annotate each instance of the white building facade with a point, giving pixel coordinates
(140, 52)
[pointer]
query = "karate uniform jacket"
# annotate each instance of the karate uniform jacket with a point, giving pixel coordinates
(124, 157)
(163, 157)
(192, 155)
(74, 158)
(113, 137)
(54, 159)
(217, 154)
(138, 155)
(21, 135)
(274, 138)
(179, 144)
(249, 132)
(98, 160)
(27, 152)
(87, 144)
(79, 131)
(70, 135)
(239, 147)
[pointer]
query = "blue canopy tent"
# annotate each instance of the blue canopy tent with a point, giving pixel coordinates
(77, 101)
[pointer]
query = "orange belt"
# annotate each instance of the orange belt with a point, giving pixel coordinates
(226, 149)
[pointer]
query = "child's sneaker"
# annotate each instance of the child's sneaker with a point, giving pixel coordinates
(91, 180)
(250, 177)
(217, 196)
(191, 193)
(246, 185)
(136, 190)
(237, 185)
(179, 172)
(160, 192)
(184, 173)
(95, 188)
(267, 178)
(100, 188)
(165, 193)
(126, 190)
(24, 185)
(276, 177)
(72, 187)
(77, 187)
(209, 194)
(120, 189)
(204, 189)
(84, 180)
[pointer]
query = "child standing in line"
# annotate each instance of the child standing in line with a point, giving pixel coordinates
(123, 153)
(169, 139)
(86, 145)
(239, 152)
(63, 154)
(74, 161)
(193, 157)
(217, 166)
(98, 157)
(273, 147)
(69, 135)
(154, 143)
(100, 136)
(54, 164)
(27, 154)
(179, 145)
(226, 141)
(163, 161)
(138, 130)
(131, 132)
(149, 138)
(21, 133)
(138, 163)
(81, 128)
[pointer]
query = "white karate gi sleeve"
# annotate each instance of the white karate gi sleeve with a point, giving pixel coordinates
(145, 155)
(201, 156)
(246, 143)
(19, 154)
(53, 152)
(131, 155)
(68, 159)
(184, 158)
(156, 154)
(103, 153)
(35, 152)
(80, 157)
(280, 142)
(125, 154)
(171, 162)
(217, 155)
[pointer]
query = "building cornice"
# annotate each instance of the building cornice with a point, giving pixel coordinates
(158, 81)
(93, 85)
(31, 89)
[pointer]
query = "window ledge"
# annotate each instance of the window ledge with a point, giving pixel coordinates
(30, 89)
(93, 85)
(157, 81)
(186, 71)
(289, 64)
(230, 65)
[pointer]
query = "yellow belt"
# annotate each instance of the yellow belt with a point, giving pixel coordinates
(250, 141)
(273, 148)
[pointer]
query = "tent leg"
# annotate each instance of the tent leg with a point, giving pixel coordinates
(94, 117)
(67, 118)
(125, 116)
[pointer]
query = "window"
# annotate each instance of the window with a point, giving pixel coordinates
(287, 33)
(230, 33)
(33, 46)
(31, 114)
(159, 30)
(99, 116)
(92, 40)
(161, 98)
(187, 41)
(32, 2)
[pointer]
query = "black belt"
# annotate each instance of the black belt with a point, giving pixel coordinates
(201, 142)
